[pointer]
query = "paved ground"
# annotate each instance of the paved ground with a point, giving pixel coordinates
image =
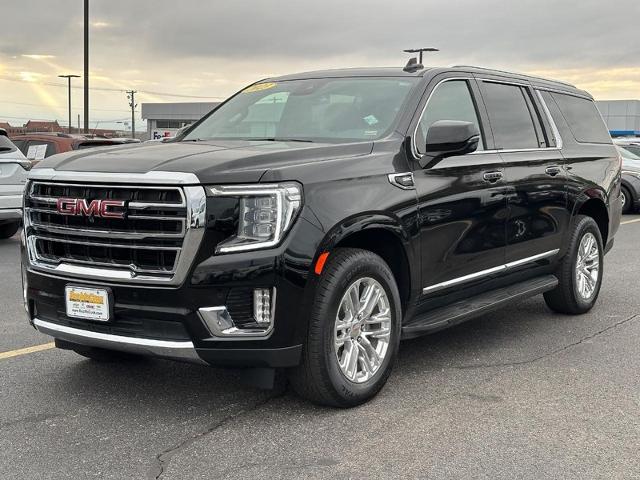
(521, 393)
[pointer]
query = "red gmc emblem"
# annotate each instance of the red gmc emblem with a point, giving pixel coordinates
(95, 208)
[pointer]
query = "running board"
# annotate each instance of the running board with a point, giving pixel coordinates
(462, 311)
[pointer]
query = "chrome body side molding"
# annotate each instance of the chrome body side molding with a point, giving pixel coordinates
(488, 271)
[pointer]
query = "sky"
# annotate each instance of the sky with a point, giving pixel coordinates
(205, 50)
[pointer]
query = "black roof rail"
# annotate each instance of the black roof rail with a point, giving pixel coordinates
(520, 74)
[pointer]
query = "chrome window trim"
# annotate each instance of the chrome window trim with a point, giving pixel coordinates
(554, 128)
(182, 350)
(489, 271)
(414, 148)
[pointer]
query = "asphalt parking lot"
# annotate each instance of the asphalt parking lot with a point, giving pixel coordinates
(521, 393)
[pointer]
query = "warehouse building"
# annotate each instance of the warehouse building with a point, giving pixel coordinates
(622, 116)
(165, 119)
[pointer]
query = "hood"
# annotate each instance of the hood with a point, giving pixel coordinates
(212, 162)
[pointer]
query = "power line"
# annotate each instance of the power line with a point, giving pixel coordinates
(106, 89)
(61, 106)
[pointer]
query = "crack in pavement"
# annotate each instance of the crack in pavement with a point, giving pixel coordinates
(162, 460)
(545, 355)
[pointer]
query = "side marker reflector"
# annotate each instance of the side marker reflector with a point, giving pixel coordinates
(322, 259)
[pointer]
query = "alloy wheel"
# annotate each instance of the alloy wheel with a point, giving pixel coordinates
(587, 266)
(362, 330)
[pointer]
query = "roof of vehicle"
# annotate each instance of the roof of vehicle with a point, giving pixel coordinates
(400, 72)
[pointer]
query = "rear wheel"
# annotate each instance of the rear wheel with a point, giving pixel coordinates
(627, 200)
(8, 230)
(580, 271)
(354, 331)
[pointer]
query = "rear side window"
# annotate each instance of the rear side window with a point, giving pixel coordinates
(583, 118)
(510, 116)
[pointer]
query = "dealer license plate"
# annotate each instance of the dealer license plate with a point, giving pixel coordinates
(87, 303)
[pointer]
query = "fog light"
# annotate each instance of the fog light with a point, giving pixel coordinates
(262, 306)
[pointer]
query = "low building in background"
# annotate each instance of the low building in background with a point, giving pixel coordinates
(165, 119)
(621, 116)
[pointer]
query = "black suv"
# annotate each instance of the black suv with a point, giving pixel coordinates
(312, 221)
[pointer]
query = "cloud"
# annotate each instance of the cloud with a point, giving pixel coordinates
(213, 48)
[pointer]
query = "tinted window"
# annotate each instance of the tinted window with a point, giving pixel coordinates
(451, 100)
(37, 150)
(510, 117)
(583, 118)
(21, 145)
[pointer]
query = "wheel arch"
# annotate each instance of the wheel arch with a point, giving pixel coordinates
(382, 235)
(594, 206)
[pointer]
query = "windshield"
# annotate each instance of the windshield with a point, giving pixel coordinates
(315, 110)
(626, 154)
(634, 149)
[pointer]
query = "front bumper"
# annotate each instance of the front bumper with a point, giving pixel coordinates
(11, 206)
(166, 322)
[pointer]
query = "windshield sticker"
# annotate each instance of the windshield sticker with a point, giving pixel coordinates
(258, 87)
(370, 119)
(371, 133)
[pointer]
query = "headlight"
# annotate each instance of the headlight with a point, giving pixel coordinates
(266, 214)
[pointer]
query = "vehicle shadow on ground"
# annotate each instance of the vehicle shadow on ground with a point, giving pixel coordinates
(165, 387)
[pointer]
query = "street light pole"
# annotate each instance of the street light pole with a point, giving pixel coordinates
(86, 66)
(69, 77)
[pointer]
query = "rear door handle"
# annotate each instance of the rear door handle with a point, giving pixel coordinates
(492, 177)
(553, 170)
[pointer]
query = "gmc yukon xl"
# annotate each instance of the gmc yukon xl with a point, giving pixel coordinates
(312, 221)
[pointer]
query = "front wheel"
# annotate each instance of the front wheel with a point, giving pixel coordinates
(580, 271)
(354, 331)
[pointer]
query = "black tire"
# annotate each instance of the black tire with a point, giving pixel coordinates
(8, 230)
(627, 207)
(565, 298)
(318, 377)
(98, 354)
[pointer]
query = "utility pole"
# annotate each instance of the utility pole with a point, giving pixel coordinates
(131, 95)
(69, 77)
(86, 66)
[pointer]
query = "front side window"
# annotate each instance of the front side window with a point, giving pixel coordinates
(510, 117)
(314, 110)
(451, 100)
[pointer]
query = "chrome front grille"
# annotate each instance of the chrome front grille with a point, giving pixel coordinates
(154, 242)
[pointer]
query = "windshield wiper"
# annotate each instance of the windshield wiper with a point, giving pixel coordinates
(278, 139)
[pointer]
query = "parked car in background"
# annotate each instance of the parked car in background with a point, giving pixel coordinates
(13, 175)
(630, 144)
(38, 146)
(630, 190)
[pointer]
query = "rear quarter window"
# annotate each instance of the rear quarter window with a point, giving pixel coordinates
(583, 118)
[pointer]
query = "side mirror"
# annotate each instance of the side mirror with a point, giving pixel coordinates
(449, 137)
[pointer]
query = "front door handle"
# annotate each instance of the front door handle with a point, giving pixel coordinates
(553, 170)
(492, 177)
